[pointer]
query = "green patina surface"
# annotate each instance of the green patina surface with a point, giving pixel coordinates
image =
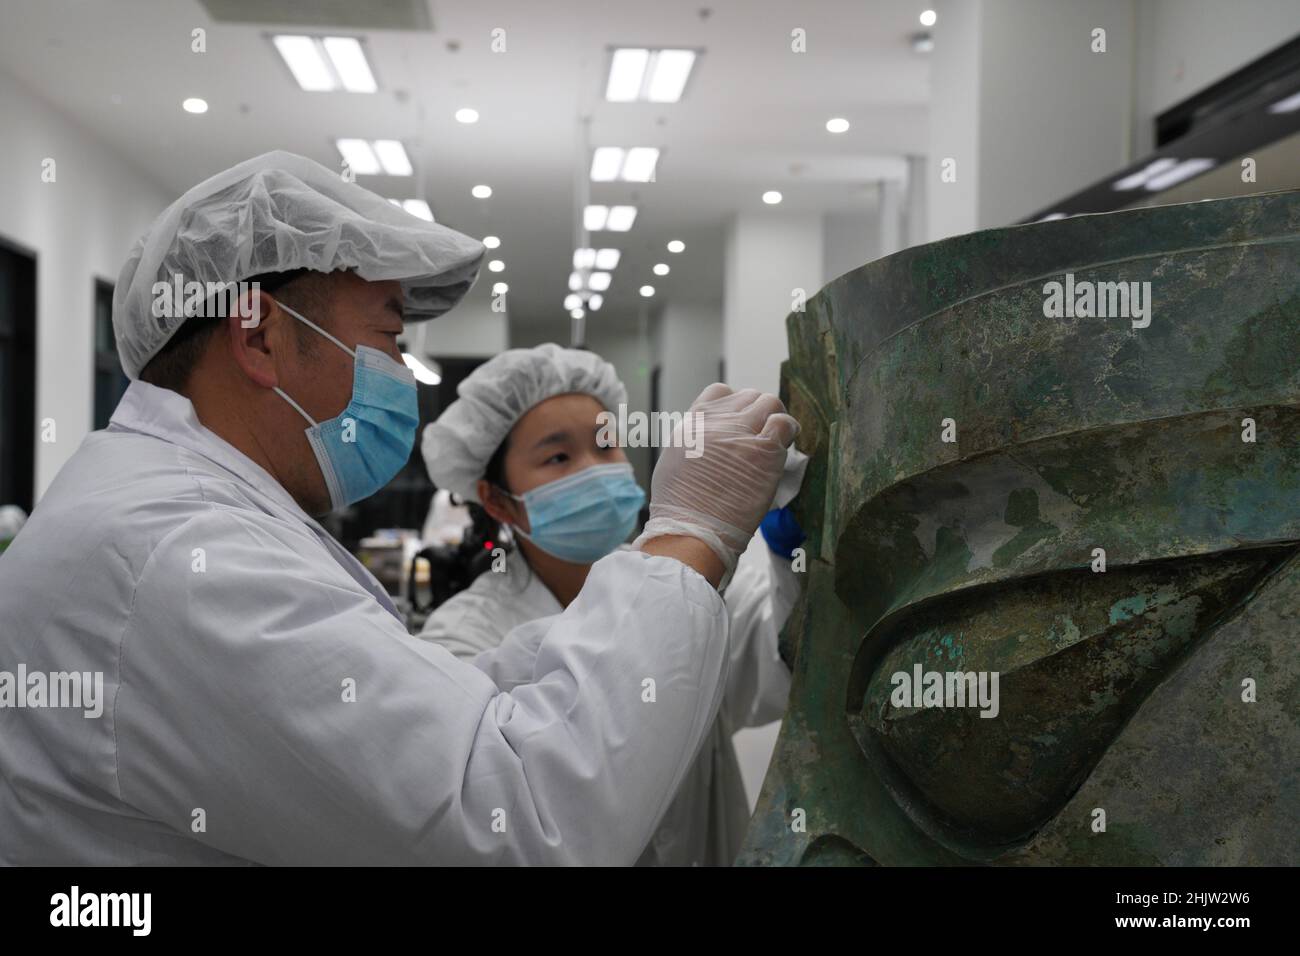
(1120, 693)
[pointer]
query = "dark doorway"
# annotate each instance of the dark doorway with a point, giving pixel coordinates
(17, 377)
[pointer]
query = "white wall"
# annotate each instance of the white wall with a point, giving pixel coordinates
(848, 242)
(954, 117)
(768, 255)
(80, 228)
(688, 349)
(470, 330)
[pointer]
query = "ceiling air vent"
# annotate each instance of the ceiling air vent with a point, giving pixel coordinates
(347, 14)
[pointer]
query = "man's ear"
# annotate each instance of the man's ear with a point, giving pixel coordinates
(250, 332)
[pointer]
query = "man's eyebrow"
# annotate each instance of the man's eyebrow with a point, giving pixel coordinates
(395, 304)
(554, 438)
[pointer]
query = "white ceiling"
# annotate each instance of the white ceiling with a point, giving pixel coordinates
(752, 118)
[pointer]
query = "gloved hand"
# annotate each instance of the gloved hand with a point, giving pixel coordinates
(720, 496)
(782, 532)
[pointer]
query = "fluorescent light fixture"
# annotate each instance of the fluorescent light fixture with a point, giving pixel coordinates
(620, 218)
(639, 166)
(837, 125)
(577, 313)
(647, 291)
(928, 17)
(322, 64)
(1288, 105)
(421, 371)
(500, 288)
(466, 115)
(771, 197)
(606, 162)
(1140, 178)
(1051, 217)
(306, 61)
(594, 217)
(669, 71)
(573, 301)
(607, 259)
(1183, 171)
(598, 281)
(595, 302)
(584, 258)
(575, 281)
(676, 245)
(194, 105)
(661, 269)
(418, 207)
(496, 265)
(656, 76)
(627, 70)
(492, 242)
(359, 156)
(481, 192)
(350, 64)
(392, 156)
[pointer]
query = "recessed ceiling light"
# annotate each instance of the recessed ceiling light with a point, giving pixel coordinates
(661, 269)
(928, 17)
(639, 166)
(481, 192)
(392, 156)
(1143, 175)
(491, 242)
(594, 218)
(466, 115)
(606, 161)
(584, 258)
(595, 302)
(194, 105)
(576, 313)
(607, 259)
(359, 156)
(656, 76)
(598, 281)
(771, 197)
(837, 125)
(620, 218)
(321, 64)
(573, 301)
(1288, 105)
(418, 207)
(496, 265)
(676, 245)
(575, 281)
(350, 64)
(499, 288)
(647, 291)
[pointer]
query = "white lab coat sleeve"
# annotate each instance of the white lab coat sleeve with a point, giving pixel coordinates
(267, 695)
(759, 599)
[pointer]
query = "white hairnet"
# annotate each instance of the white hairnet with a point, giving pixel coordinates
(275, 213)
(458, 446)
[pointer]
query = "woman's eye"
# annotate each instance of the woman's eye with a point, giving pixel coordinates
(557, 459)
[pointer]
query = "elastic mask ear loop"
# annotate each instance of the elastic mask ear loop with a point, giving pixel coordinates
(281, 392)
(514, 528)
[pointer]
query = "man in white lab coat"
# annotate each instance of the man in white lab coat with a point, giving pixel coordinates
(256, 698)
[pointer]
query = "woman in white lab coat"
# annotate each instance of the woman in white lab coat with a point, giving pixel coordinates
(525, 443)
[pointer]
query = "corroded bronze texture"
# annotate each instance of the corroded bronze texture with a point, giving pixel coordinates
(1147, 713)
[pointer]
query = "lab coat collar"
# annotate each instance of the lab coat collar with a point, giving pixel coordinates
(170, 416)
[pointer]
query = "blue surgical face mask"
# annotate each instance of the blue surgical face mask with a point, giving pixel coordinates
(365, 446)
(583, 516)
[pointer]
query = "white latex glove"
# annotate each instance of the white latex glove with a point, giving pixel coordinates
(720, 496)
